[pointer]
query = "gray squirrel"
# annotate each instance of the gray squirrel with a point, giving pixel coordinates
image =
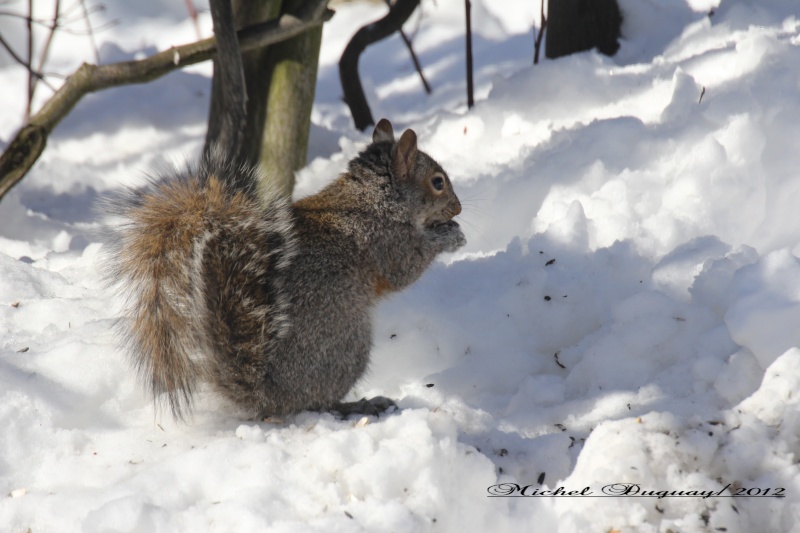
(270, 301)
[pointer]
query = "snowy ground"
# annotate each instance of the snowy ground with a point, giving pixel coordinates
(626, 310)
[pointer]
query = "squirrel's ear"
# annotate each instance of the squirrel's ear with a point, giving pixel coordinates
(383, 132)
(406, 153)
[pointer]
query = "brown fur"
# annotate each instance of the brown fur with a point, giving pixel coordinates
(270, 302)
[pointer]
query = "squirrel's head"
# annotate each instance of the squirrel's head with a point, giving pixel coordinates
(418, 177)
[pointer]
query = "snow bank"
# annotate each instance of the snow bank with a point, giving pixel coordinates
(624, 317)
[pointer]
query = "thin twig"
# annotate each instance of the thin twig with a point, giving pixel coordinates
(417, 64)
(75, 9)
(96, 29)
(90, 32)
(50, 34)
(12, 14)
(63, 22)
(56, 75)
(193, 15)
(470, 86)
(537, 42)
(418, 21)
(11, 51)
(414, 57)
(63, 19)
(29, 62)
(22, 62)
(78, 11)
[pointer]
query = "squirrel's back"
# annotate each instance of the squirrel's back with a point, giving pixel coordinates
(200, 255)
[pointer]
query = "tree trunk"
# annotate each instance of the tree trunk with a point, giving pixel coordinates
(284, 147)
(578, 25)
(280, 81)
(256, 78)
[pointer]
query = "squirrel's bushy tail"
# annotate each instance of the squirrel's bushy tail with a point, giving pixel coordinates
(157, 257)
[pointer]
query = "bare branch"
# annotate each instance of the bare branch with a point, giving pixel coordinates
(28, 144)
(348, 64)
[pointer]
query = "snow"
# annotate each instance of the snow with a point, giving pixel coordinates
(625, 312)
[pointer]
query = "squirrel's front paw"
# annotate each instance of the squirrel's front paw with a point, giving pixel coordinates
(448, 236)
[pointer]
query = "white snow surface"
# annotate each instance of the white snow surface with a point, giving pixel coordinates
(627, 309)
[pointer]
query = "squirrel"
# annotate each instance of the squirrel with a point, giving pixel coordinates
(270, 301)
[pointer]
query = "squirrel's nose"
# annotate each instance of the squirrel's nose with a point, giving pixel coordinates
(456, 207)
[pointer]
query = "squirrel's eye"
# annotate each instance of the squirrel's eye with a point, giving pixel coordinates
(438, 183)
